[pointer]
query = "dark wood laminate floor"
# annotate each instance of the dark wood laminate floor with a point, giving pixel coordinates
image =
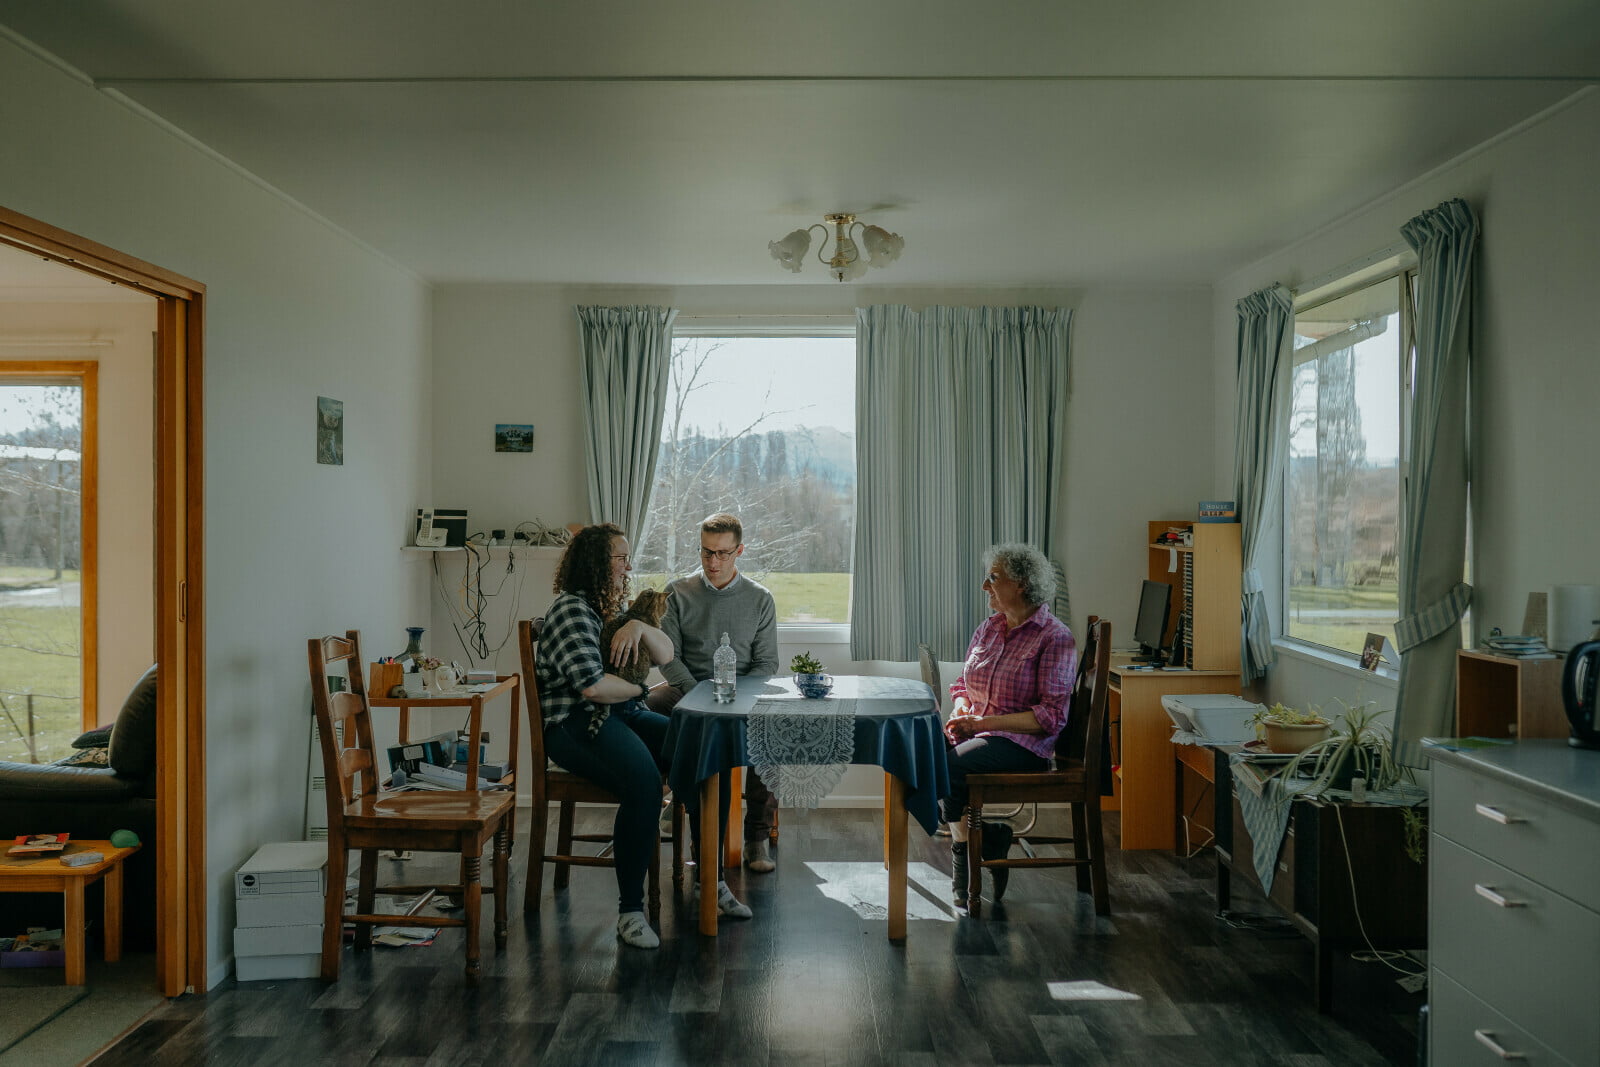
(813, 980)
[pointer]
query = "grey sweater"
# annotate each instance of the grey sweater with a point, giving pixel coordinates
(697, 617)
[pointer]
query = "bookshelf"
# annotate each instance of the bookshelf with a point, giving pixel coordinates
(1502, 696)
(1205, 580)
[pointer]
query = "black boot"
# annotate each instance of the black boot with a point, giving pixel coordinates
(958, 872)
(997, 838)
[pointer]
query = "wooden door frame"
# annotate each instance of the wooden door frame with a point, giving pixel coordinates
(180, 586)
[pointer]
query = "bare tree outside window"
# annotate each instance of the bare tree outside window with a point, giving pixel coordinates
(41, 489)
(763, 427)
(1342, 498)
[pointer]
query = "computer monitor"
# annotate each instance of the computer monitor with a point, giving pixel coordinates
(1151, 628)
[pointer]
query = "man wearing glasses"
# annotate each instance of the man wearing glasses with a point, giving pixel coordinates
(701, 608)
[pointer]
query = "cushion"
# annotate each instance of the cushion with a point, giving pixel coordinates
(86, 757)
(99, 737)
(133, 741)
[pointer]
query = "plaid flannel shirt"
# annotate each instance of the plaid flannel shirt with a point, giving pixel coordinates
(569, 657)
(1030, 668)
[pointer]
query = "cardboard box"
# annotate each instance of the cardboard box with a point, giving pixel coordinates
(277, 940)
(265, 968)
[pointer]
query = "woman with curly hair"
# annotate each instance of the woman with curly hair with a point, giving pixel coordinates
(1011, 698)
(595, 723)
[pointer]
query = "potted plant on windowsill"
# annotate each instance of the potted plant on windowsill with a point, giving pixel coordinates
(1289, 730)
(808, 676)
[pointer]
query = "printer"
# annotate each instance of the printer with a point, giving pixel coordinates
(1214, 718)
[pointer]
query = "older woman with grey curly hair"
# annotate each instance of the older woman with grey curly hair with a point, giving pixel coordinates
(1011, 698)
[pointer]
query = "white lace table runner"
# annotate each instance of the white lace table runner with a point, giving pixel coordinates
(801, 748)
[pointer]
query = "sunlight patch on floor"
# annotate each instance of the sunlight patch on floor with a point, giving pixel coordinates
(1088, 991)
(864, 889)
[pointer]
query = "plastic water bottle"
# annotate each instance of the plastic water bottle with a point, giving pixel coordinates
(724, 662)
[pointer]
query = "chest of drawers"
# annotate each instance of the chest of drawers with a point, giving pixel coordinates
(1514, 905)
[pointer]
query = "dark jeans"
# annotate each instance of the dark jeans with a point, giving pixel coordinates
(982, 755)
(625, 757)
(665, 697)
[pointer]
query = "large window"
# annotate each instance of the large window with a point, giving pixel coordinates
(763, 427)
(1342, 496)
(42, 494)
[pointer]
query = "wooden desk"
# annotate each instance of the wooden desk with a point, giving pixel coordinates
(45, 874)
(505, 683)
(1201, 762)
(1142, 747)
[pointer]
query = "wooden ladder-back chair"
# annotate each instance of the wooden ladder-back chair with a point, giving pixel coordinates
(1073, 779)
(549, 784)
(362, 817)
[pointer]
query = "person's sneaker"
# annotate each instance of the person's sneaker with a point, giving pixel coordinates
(634, 931)
(728, 905)
(758, 856)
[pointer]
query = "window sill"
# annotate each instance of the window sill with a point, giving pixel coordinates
(815, 633)
(1342, 662)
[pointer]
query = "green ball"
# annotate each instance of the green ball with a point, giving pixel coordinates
(124, 838)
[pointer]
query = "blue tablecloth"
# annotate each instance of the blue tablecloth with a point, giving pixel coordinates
(896, 728)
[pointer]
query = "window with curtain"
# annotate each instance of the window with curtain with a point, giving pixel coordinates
(764, 427)
(1345, 464)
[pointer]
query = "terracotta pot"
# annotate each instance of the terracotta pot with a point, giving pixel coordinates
(1285, 738)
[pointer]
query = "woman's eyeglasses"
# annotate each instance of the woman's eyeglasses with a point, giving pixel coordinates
(723, 554)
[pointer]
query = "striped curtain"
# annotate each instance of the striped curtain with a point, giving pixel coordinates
(627, 353)
(1265, 344)
(960, 444)
(1433, 521)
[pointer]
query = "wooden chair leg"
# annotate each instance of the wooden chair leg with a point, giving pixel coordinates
(471, 898)
(1102, 888)
(1082, 848)
(679, 814)
(538, 826)
(502, 877)
(333, 910)
(655, 884)
(564, 843)
(366, 890)
(974, 860)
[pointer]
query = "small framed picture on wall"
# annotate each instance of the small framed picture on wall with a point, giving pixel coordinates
(330, 431)
(513, 437)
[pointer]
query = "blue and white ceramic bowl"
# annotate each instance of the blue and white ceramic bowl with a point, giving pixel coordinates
(814, 686)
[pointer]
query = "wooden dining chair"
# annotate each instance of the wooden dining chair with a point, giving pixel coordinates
(363, 818)
(549, 784)
(1073, 779)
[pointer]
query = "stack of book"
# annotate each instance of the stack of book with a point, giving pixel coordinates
(1521, 646)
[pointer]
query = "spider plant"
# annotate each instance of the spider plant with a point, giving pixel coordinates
(1360, 747)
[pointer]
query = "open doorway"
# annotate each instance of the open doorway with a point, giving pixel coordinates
(100, 348)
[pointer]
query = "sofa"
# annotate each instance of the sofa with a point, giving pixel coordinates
(107, 784)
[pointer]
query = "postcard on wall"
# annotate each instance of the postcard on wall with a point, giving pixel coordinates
(330, 431)
(513, 437)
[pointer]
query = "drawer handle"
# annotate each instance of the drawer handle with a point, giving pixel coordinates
(1497, 815)
(1486, 1039)
(1488, 893)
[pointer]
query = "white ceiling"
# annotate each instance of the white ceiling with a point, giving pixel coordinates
(1032, 142)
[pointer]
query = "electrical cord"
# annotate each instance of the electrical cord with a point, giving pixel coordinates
(1383, 956)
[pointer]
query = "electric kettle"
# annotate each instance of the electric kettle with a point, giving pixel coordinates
(1579, 680)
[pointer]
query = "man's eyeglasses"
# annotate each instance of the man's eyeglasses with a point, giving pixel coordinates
(623, 557)
(724, 554)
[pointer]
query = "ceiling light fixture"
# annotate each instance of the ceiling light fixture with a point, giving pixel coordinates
(847, 262)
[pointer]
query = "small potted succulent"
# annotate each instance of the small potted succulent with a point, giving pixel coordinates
(1289, 730)
(809, 678)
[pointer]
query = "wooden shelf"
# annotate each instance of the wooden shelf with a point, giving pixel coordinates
(1502, 696)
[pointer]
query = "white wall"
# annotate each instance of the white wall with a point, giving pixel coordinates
(1536, 390)
(125, 482)
(294, 309)
(1138, 446)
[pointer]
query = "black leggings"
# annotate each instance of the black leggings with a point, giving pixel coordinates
(982, 755)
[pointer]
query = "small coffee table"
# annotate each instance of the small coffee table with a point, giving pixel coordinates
(47, 874)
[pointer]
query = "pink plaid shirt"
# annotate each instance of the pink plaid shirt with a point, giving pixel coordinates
(1027, 669)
